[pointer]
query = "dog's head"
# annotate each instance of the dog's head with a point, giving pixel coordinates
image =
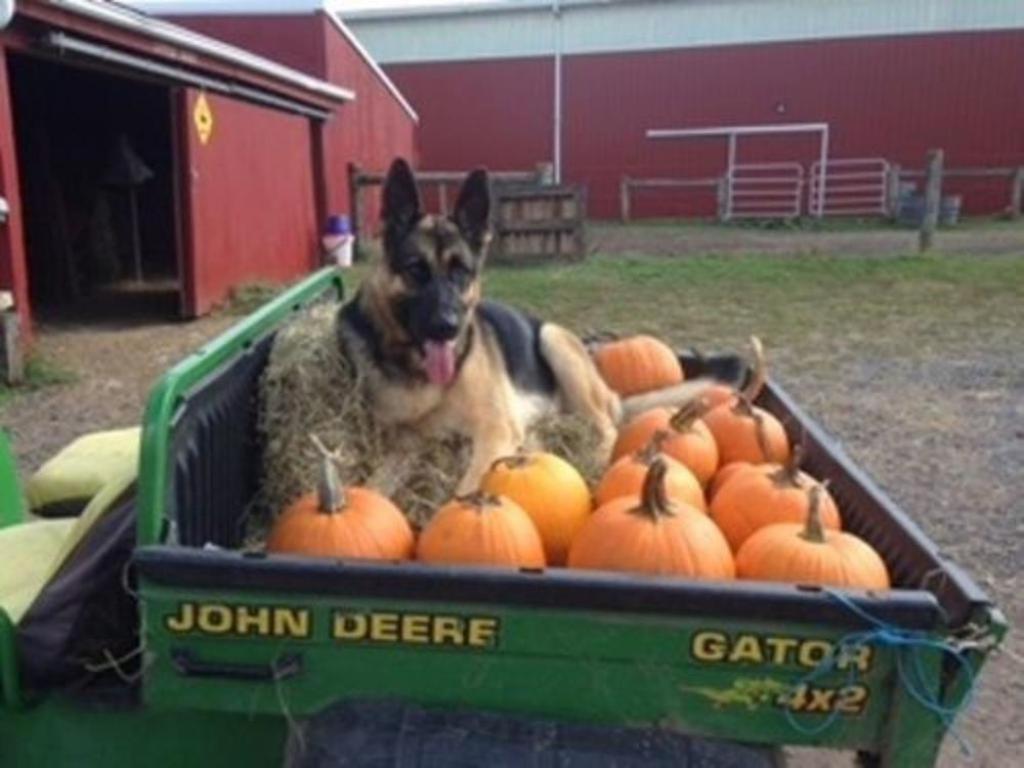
(432, 266)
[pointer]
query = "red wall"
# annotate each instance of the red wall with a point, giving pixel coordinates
(13, 267)
(370, 131)
(249, 201)
(496, 113)
(890, 97)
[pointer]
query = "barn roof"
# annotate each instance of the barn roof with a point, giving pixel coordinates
(276, 8)
(180, 49)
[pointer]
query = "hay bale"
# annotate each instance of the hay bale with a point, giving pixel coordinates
(310, 387)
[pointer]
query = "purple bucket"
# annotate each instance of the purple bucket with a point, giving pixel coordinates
(338, 224)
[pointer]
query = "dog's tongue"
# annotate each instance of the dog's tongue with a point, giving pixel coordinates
(440, 362)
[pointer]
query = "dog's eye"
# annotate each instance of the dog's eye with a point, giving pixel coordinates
(418, 271)
(460, 275)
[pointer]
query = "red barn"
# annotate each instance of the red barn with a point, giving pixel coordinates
(581, 82)
(307, 35)
(149, 167)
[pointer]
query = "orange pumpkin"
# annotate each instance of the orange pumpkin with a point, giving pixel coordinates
(638, 364)
(808, 553)
(721, 394)
(767, 494)
(626, 477)
(652, 533)
(686, 438)
(342, 522)
(550, 491)
(481, 529)
(723, 475)
(745, 432)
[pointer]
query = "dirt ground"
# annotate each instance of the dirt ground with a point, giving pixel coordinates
(936, 416)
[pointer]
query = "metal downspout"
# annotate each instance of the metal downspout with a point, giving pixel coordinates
(556, 9)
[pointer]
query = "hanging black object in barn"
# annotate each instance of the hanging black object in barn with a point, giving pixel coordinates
(127, 171)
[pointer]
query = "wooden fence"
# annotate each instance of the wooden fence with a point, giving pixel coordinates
(1014, 177)
(533, 219)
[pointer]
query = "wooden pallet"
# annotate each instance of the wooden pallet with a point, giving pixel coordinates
(539, 223)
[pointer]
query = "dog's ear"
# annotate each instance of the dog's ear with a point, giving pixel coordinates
(401, 201)
(473, 209)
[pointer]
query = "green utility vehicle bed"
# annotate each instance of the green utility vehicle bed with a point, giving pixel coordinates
(238, 649)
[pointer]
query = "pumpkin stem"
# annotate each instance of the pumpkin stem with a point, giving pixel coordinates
(758, 372)
(654, 501)
(683, 419)
(518, 460)
(745, 407)
(479, 500)
(649, 453)
(814, 531)
(330, 491)
(789, 473)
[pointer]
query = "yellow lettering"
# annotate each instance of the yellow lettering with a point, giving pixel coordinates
(252, 620)
(448, 629)
(291, 622)
(859, 656)
(384, 627)
(482, 632)
(349, 626)
(709, 646)
(416, 629)
(852, 699)
(184, 621)
(747, 648)
(215, 619)
(780, 648)
(813, 652)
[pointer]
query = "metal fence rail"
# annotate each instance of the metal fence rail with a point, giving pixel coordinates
(849, 187)
(764, 191)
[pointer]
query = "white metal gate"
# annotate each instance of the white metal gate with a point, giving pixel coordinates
(764, 191)
(850, 187)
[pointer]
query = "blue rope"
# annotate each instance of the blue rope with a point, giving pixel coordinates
(907, 644)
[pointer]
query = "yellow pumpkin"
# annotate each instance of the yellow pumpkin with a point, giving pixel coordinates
(550, 491)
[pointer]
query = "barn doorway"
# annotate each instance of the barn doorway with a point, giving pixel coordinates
(98, 192)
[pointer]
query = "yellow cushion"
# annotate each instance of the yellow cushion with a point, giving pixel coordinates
(73, 476)
(32, 553)
(27, 552)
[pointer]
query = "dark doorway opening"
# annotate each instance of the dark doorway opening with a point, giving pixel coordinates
(96, 162)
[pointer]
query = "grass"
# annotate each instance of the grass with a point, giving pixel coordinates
(40, 372)
(248, 297)
(718, 301)
(801, 306)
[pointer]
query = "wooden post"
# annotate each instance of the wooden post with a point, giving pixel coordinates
(355, 197)
(1016, 193)
(932, 200)
(892, 192)
(624, 199)
(12, 363)
(721, 197)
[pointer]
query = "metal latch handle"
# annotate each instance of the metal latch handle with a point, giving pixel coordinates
(282, 668)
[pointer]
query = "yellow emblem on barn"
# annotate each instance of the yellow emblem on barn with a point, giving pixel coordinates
(202, 116)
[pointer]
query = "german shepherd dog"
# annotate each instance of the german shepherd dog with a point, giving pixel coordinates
(438, 358)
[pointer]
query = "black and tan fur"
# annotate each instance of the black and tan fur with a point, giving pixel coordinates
(510, 369)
